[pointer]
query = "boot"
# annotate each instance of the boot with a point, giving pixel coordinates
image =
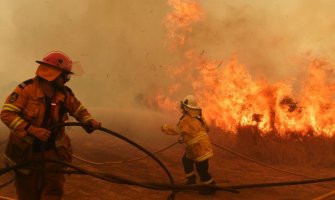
(191, 180)
(208, 191)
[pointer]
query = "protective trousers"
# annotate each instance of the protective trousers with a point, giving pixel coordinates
(41, 185)
(201, 168)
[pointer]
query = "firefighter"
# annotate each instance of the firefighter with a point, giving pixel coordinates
(193, 131)
(29, 112)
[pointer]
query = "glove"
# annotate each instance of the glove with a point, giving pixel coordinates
(40, 133)
(171, 129)
(91, 125)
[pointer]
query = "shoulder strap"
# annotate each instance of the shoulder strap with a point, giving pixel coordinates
(25, 83)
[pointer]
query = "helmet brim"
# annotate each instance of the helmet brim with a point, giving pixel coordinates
(52, 66)
(48, 73)
(192, 107)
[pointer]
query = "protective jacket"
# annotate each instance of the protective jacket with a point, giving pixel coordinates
(194, 131)
(26, 106)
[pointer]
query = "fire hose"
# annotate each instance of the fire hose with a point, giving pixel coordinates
(111, 178)
(8, 182)
(21, 165)
(214, 144)
(171, 145)
(158, 186)
(122, 161)
(172, 195)
(260, 163)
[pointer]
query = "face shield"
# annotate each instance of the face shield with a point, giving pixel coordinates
(77, 68)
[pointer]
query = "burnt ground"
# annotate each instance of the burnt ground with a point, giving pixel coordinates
(226, 168)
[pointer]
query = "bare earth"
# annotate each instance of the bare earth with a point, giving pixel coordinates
(227, 169)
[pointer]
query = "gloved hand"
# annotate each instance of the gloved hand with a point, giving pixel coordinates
(91, 125)
(171, 129)
(40, 133)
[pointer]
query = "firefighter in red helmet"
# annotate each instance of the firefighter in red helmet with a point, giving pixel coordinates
(193, 131)
(29, 112)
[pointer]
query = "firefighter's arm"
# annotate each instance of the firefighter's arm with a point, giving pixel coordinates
(171, 129)
(11, 112)
(78, 111)
(11, 115)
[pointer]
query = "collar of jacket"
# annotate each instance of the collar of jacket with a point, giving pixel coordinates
(59, 95)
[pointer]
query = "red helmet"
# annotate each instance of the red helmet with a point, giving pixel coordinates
(53, 65)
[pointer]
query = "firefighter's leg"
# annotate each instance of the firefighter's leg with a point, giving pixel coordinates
(205, 177)
(53, 182)
(189, 170)
(26, 186)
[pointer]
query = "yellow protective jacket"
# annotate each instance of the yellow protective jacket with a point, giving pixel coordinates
(194, 131)
(25, 106)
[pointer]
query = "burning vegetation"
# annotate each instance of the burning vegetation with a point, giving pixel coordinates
(254, 110)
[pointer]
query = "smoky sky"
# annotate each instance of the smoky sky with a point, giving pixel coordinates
(123, 49)
(269, 37)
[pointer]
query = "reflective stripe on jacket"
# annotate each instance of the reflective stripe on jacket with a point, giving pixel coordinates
(26, 105)
(195, 135)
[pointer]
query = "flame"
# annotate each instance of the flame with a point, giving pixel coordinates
(231, 98)
(179, 21)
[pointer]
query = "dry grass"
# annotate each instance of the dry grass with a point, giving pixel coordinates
(293, 150)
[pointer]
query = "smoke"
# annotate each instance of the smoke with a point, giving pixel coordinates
(122, 45)
(119, 44)
(271, 39)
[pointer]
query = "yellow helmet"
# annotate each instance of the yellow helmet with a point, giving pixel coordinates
(190, 102)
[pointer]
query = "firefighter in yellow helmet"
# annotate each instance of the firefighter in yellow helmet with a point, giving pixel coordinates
(193, 130)
(30, 111)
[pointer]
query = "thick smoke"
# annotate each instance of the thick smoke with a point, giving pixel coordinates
(123, 48)
(270, 38)
(119, 44)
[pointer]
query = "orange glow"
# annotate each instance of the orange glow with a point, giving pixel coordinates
(231, 98)
(178, 22)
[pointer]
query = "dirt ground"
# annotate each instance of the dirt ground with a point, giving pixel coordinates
(226, 168)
